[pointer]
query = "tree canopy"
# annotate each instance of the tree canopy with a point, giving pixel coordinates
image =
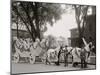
(35, 16)
(80, 15)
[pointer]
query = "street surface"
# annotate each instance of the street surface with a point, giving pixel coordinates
(40, 67)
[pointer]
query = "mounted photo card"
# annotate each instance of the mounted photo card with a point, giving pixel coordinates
(52, 37)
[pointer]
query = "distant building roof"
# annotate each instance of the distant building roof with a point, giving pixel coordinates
(73, 29)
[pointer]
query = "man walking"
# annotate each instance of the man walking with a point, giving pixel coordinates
(58, 62)
(83, 58)
(66, 56)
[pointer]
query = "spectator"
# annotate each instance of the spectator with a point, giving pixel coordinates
(59, 56)
(83, 58)
(66, 56)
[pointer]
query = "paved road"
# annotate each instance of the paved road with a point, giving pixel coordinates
(39, 67)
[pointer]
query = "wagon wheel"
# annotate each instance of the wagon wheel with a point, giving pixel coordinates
(16, 58)
(43, 60)
(32, 59)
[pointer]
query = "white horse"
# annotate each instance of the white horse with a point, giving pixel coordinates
(51, 55)
(76, 52)
(38, 48)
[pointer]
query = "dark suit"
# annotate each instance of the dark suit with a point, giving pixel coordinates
(83, 58)
(66, 57)
(58, 63)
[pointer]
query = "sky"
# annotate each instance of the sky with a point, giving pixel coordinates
(62, 27)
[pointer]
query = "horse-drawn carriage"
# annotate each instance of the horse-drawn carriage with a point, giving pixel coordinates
(26, 50)
(31, 50)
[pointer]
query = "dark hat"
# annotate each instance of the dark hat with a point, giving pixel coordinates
(66, 46)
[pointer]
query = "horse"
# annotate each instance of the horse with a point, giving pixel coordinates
(77, 51)
(38, 48)
(52, 55)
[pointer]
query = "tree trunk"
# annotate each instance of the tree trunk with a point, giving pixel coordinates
(80, 35)
(17, 12)
(17, 27)
(37, 21)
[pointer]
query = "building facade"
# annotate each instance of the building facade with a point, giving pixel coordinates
(73, 40)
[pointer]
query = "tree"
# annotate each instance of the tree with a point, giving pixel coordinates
(50, 42)
(35, 16)
(81, 15)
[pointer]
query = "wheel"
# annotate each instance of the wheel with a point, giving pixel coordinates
(32, 59)
(75, 64)
(16, 57)
(43, 60)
